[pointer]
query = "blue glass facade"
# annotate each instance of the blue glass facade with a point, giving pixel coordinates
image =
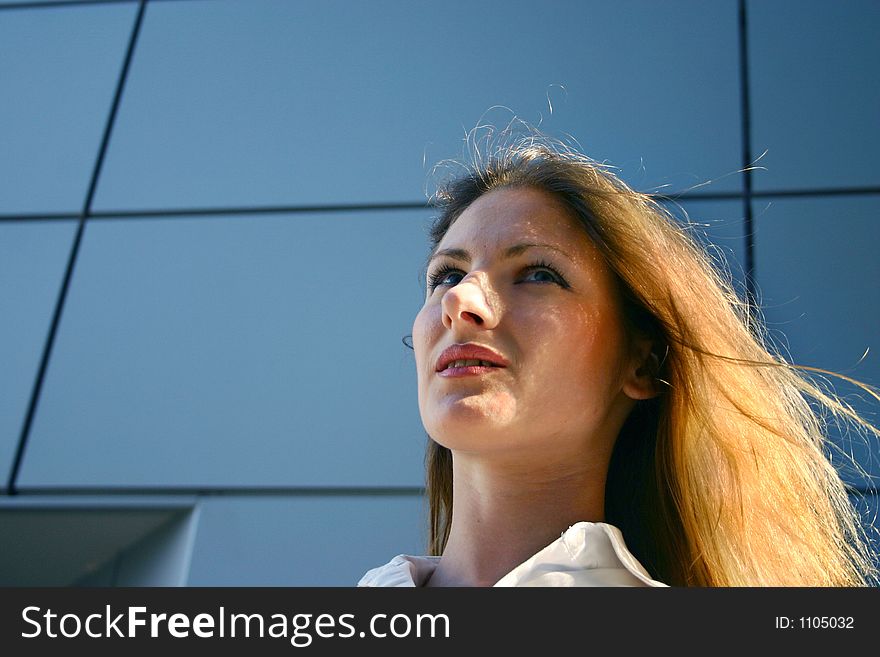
(204, 379)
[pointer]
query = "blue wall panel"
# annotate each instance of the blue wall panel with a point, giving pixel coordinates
(237, 351)
(256, 350)
(240, 103)
(40, 2)
(58, 72)
(815, 73)
(33, 257)
(817, 270)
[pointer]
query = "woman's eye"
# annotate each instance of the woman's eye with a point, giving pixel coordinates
(539, 273)
(543, 273)
(445, 276)
(541, 276)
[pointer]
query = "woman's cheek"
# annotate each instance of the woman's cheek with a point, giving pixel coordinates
(426, 330)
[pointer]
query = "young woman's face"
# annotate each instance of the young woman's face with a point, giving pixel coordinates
(517, 275)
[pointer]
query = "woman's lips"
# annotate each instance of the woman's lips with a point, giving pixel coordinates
(469, 352)
(467, 370)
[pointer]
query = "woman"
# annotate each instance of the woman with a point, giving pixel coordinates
(601, 409)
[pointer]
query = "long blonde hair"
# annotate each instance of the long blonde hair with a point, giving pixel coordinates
(722, 479)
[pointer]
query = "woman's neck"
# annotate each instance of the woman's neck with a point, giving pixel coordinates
(503, 514)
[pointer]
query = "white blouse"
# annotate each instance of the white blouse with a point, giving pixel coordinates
(586, 554)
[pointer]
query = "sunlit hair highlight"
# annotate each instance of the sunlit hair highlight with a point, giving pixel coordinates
(723, 479)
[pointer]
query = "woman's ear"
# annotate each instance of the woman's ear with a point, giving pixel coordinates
(641, 381)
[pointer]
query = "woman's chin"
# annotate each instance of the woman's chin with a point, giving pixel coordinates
(473, 414)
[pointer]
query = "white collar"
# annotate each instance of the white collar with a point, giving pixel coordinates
(586, 554)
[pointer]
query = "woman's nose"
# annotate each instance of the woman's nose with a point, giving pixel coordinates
(469, 304)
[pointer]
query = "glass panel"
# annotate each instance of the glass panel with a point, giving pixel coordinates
(815, 74)
(234, 103)
(33, 257)
(237, 351)
(35, 2)
(817, 268)
(58, 73)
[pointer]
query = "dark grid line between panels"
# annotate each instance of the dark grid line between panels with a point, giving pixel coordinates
(268, 491)
(74, 251)
(34, 4)
(404, 205)
(746, 129)
(54, 4)
(225, 491)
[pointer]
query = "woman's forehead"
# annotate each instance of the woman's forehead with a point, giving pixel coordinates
(509, 216)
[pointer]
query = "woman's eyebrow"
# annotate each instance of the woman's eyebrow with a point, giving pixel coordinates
(515, 250)
(455, 254)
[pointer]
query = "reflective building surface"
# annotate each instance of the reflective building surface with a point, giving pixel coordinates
(213, 219)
